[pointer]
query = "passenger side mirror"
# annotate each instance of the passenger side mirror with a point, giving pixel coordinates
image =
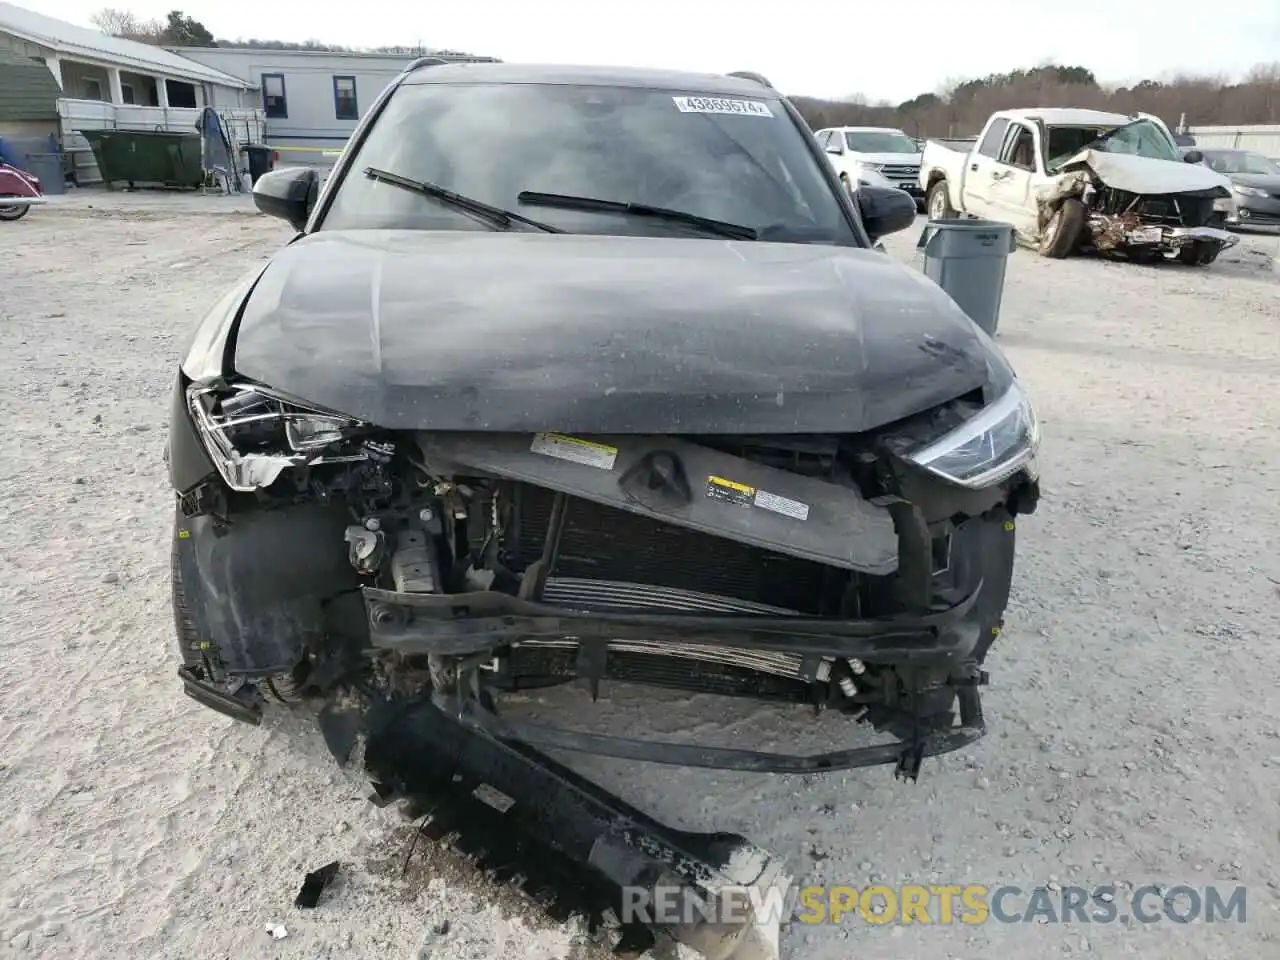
(885, 210)
(1193, 156)
(834, 148)
(288, 194)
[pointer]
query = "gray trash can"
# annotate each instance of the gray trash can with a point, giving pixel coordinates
(967, 259)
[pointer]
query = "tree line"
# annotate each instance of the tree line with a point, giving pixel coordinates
(961, 108)
(179, 30)
(957, 110)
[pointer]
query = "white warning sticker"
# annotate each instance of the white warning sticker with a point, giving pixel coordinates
(587, 452)
(787, 507)
(743, 108)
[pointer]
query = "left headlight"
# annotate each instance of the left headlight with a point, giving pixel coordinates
(988, 447)
(253, 436)
(1246, 191)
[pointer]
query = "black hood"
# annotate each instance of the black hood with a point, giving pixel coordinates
(594, 334)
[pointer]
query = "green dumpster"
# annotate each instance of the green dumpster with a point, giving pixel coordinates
(146, 156)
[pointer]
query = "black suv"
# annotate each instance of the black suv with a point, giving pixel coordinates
(594, 374)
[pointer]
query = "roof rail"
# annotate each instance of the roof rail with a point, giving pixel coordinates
(424, 62)
(750, 75)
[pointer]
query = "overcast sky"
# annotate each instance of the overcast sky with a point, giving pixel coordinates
(831, 48)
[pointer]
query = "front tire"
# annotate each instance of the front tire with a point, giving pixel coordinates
(14, 211)
(938, 203)
(1062, 232)
(1199, 254)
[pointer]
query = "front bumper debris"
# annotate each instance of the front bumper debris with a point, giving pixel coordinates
(526, 820)
(1172, 239)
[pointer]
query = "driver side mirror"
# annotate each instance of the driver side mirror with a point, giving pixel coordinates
(885, 210)
(288, 194)
(1193, 156)
(834, 148)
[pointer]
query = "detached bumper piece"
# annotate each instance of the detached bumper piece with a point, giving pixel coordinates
(206, 694)
(532, 824)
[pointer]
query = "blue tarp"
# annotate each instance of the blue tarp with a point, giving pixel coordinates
(218, 154)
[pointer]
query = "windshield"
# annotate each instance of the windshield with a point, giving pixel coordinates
(1141, 138)
(728, 159)
(1239, 161)
(879, 141)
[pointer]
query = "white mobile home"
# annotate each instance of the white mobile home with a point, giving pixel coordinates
(110, 83)
(312, 99)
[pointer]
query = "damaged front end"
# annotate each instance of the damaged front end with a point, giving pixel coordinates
(867, 574)
(407, 580)
(1141, 218)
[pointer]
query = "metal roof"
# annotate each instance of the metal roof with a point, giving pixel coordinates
(69, 40)
(706, 83)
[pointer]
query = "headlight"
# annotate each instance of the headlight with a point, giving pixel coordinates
(253, 436)
(877, 167)
(988, 447)
(1248, 191)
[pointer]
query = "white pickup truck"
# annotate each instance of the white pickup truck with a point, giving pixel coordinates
(1071, 179)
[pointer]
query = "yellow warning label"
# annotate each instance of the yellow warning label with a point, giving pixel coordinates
(718, 488)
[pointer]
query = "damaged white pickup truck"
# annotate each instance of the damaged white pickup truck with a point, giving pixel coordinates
(1071, 179)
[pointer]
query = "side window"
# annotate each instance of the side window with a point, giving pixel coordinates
(994, 137)
(274, 103)
(823, 136)
(344, 99)
(1019, 148)
(836, 143)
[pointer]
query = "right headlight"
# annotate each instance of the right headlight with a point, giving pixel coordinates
(252, 436)
(988, 447)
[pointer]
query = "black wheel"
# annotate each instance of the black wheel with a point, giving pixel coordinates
(14, 211)
(1062, 232)
(938, 203)
(1199, 254)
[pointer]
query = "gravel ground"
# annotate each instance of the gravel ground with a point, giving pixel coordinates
(1134, 703)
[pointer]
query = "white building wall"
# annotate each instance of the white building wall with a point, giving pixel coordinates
(312, 119)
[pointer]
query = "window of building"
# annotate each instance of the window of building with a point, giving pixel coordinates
(274, 103)
(180, 94)
(92, 89)
(344, 98)
(126, 93)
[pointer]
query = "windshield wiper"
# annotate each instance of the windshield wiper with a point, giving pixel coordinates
(496, 217)
(734, 231)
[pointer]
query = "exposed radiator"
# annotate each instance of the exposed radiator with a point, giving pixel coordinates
(613, 557)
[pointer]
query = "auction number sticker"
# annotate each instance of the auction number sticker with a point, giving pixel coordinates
(743, 108)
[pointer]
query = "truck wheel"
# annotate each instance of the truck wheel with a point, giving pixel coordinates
(1199, 254)
(939, 203)
(1062, 232)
